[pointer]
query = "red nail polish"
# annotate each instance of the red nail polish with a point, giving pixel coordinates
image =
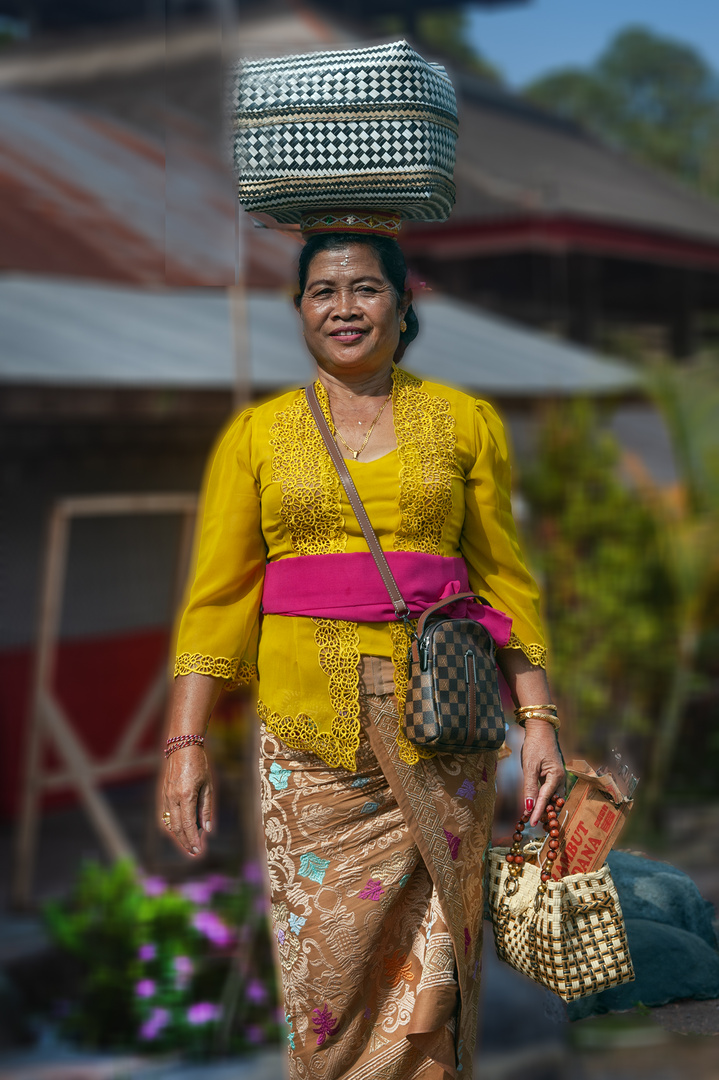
(529, 804)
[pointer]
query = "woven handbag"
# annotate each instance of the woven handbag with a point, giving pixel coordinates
(453, 701)
(372, 128)
(568, 934)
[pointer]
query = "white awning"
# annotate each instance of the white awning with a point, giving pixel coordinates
(72, 334)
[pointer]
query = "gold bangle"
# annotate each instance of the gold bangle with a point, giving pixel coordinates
(538, 714)
(531, 708)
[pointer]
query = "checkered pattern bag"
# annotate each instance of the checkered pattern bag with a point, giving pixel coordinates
(372, 128)
(453, 701)
(570, 938)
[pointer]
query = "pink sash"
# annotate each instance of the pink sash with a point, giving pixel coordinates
(348, 586)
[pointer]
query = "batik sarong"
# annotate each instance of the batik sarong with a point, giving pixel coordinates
(377, 895)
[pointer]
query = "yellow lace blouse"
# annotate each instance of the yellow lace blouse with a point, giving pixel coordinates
(273, 493)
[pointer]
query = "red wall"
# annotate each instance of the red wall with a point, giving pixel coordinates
(99, 682)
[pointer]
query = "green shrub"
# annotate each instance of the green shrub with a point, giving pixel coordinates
(610, 603)
(186, 968)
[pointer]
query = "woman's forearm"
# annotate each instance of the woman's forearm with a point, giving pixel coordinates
(541, 760)
(193, 697)
(527, 683)
(187, 789)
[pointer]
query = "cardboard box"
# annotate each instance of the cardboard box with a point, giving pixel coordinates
(590, 820)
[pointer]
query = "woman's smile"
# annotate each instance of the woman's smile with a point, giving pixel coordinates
(348, 334)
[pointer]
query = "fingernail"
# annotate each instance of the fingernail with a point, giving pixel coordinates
(195, 851)
(208, 826)
(529, 805)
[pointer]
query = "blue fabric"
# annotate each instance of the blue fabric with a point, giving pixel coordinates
(660, 892)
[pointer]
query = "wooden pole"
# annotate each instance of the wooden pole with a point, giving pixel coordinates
(80, 765)
(49, 624)
(239, 315)
(46, 717)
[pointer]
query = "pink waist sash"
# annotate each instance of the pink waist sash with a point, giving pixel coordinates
(348, 586)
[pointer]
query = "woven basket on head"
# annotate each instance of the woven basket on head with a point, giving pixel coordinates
(370, 128)
(572, 941)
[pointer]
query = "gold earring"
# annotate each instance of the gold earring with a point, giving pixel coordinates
(402, 326)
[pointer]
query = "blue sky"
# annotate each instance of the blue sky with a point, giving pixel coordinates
(527, 40)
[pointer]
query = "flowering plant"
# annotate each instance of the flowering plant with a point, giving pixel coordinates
(168, 968)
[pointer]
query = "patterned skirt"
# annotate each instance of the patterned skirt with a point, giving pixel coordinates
(377, 898)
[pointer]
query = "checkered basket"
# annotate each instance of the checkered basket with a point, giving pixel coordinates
(365, 128)
(570, 938)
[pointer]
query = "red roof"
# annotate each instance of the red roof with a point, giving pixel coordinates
(87, 196)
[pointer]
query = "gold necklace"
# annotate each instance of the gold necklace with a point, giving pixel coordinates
(356, 453)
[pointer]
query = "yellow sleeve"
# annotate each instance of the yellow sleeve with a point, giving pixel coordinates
(219, 629)
(489, 543)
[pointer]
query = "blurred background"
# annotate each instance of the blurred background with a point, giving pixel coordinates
(576, 286)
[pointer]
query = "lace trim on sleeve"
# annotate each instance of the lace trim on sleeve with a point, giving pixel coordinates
(233, 672)
(536, 654)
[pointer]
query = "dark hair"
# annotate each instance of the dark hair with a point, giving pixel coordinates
(389, 256)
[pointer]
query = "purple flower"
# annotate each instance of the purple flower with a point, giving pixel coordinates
(147, 952)
(199, 892)
(252, 873)
(256, 992)
(212, 927)
(183, 970)
(220, 883)
(153, 886)
(254, 1034)
(203, 1012)
(154, 1024)
(261, 904)
(145, 988)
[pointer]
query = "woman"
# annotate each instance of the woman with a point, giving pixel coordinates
(375, 852)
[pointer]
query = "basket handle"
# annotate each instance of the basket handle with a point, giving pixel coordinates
(515, 858)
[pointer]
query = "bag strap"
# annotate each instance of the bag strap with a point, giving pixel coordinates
(428, 612)
(398, 603)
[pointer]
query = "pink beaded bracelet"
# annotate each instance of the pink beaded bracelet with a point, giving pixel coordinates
(179, 742)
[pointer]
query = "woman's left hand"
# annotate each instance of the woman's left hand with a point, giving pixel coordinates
(542, 766)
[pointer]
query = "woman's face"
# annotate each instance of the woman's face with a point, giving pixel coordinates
(350, 312)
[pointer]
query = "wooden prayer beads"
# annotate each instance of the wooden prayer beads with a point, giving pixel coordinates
(515, 857)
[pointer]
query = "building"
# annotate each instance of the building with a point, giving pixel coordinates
(557, 230)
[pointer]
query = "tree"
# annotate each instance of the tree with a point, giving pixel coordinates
(649, 95)
(630, 575)
(608, 598)
(447, 32)
(689, 526)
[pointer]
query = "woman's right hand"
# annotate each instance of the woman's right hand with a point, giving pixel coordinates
(187, 787)
(187, 797)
